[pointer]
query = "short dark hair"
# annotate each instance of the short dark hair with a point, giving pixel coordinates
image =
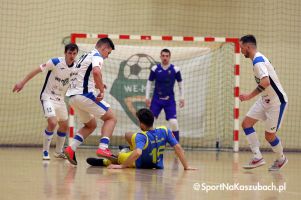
(71, 47)
(145, 117)
(106, 41)
(248, 39)
(166, 51)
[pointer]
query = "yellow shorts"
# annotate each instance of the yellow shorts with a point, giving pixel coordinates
(123, 156)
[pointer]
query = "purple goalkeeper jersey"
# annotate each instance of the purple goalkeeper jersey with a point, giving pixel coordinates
(164, 80)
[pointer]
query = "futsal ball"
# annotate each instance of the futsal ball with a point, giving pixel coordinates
(138, 66)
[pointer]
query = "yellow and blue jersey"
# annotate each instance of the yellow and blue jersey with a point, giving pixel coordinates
(152, 143)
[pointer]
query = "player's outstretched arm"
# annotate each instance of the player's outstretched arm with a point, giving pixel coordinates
(19, 86)
(180, 153)
(129, 162)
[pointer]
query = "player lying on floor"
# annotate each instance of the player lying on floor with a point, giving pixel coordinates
(147, 147)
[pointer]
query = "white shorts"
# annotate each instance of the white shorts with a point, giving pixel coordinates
(272, 114)
(86, 107)
(55, 109)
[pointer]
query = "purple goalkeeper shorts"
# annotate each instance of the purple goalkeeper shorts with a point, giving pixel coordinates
(168, 105)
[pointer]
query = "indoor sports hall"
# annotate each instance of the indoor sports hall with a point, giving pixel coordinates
(204, 39)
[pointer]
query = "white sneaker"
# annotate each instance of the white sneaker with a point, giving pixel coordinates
(278, 164)
(255, 162)
(46, 155)
(60, 155)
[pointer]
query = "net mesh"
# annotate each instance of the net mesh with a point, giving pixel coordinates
(207, 71)
(32, 32)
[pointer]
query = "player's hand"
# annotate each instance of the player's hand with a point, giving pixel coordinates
(181, 103)
(148, 102)
(244, 97)
(100, 97)
(190, 168)
(18, 87)
(112, 166)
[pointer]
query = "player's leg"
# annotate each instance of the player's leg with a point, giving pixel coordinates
(101, 110)
(89, 126)
(123, 156)
(109, 123)
(62, 116)
(171, 117)
(274, 118)
(255, 113)
(129, 137)
(156, 107)
(60, 140)
(78, 139)
(49, 113)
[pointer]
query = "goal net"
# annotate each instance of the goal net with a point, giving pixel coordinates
(208, 71)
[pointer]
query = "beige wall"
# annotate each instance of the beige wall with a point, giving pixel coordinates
(32, 31)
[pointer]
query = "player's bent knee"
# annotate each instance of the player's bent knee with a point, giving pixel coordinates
(248, 122)
(270, 136)
(128, 136)
(91, 124)
(52, 122)
(63, 126)
(173, 124)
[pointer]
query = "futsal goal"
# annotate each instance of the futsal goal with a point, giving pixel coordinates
(210, 71)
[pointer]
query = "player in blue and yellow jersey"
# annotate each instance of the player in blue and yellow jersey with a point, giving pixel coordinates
(147, 147)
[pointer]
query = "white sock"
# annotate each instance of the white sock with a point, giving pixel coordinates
(104, 143)
(60, 141)
(77, 140)
(277, 148)
(48, 135)
(253, 142)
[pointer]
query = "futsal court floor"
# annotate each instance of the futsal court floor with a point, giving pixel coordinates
(25, 176)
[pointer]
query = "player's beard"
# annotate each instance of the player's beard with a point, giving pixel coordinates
(247, 55)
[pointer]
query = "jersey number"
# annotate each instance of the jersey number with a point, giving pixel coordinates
(80, 60)
(156, 153)
(49, 109)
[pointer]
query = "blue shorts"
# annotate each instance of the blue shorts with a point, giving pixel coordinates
(169, 107)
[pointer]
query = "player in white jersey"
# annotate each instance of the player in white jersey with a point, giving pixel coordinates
(270, 107)
(87, 106)
(52, 97)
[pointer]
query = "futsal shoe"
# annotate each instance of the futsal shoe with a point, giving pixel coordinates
(46, 155)
(278, 164)
(106, 153)
(59, 155)
(70, 154)
(96, 161)
(255, 162)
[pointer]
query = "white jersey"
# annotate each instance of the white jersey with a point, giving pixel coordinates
(262, 68)
(82, 80)
(57, 79)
